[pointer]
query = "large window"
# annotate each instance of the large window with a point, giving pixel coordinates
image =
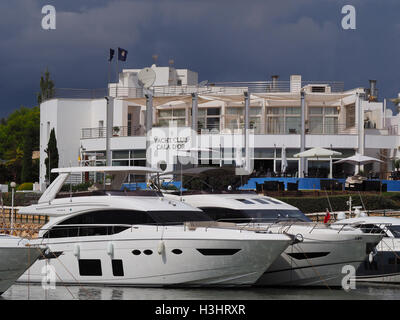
(282, 120)
(234, 118)
(209, 118)
(165, 116)
(323, 120)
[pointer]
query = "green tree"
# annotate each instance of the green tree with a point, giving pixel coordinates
(52, 154)
(46, 87)
(12, 136)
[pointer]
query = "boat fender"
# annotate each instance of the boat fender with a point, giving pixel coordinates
(110, 249)
(372, 254)
(161, 247)
(77, 251)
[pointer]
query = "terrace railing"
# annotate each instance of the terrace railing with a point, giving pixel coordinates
(208, 88)
(118, 131)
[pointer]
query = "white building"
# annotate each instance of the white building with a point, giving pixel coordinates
(348, 121)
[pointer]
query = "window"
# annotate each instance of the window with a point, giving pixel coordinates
(395, 230)
(218, 252)
(245, 201)
(72, 227)
(323, 120)
(177, 251)
(118, 268)
(90, 267)
(262, 215)
(209, 118)
(167, 115)
(283, 120)
(350, 115)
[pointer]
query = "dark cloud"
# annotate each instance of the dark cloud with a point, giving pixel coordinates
(221, 40)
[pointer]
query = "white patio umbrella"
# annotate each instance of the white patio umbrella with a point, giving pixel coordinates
(319, 152)
(359, 160)
(284, 163)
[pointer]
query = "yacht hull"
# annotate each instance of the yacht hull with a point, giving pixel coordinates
(14, 261)
(172, 259)
(319, 259)
(384, 267)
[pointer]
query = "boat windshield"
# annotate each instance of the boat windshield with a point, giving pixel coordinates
(254, 215)
(395, 230)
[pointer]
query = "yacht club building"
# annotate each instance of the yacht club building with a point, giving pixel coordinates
(344, 120)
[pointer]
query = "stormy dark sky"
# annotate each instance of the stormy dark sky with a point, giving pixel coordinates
(221, 40)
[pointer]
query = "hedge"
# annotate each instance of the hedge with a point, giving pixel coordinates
(338, 203)
(25, 186)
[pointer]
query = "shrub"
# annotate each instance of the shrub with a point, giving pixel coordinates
(78, 187)
(25, 186)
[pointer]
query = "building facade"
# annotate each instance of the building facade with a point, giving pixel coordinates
(347, 121)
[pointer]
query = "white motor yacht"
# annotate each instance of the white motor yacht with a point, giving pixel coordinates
(316, 259)
(16, 256)
(139, 238)
(383, 265)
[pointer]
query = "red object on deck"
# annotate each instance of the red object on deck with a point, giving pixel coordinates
(327, 216)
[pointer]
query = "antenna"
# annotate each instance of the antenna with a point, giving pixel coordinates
(171, 62)
(146, 77)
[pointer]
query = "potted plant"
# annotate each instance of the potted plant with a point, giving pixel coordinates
(116, 131)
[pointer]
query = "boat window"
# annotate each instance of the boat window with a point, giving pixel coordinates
(118, 268)
(111, 217)
(178, 217)
(395, 230)
(90, 267)
(106, 222)
(245, 201)
(370, 228)
(261, 201)
(82, 231)
(262, 215)
(273, 201)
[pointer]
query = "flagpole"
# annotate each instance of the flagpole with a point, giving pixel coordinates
(117, 80)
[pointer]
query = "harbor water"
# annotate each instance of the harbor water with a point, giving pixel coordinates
(362, 292)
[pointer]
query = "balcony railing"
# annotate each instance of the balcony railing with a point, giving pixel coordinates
(132, 131)
(118, 131)
(209, 88)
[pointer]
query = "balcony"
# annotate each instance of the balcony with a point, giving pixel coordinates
(118, 131)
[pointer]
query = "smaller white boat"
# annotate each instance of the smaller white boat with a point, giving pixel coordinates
(383, 265)
(16, 256)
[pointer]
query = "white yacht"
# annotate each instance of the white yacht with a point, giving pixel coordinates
(16, 256)
(383, 265)
(319, 256)
(139, 238)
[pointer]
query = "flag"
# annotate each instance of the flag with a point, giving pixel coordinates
(112, 51)
(122, 53)
(327, 216)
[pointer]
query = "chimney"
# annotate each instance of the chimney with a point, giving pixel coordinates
(373, 93)
(274, 82)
